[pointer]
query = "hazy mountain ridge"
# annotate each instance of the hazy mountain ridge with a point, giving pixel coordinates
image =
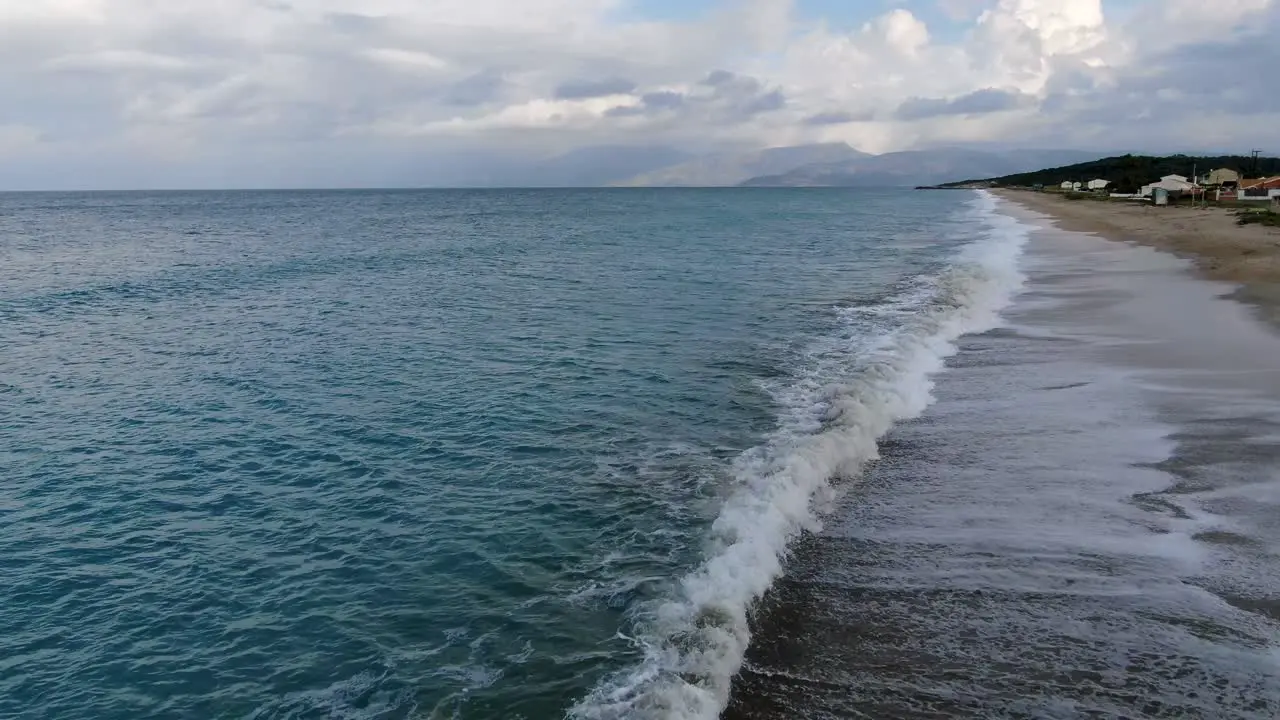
(592, 166)
(917, 167)
(733, 168)
(813, 165)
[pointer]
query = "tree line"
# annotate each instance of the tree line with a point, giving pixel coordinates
(1128, 173)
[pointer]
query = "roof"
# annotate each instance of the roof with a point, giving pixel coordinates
(1170, 185)
(1260, 182)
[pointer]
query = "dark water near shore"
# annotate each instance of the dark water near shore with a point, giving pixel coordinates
(502, 454)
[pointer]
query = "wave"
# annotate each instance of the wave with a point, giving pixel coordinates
(856, 385)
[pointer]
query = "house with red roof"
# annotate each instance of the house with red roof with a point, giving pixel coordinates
(1259, 189)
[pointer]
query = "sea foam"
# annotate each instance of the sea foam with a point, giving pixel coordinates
(850, 394)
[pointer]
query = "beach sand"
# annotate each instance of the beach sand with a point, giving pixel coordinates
(1086, 521)
(1248, 255)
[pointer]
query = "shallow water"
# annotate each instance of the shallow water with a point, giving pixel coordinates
(1082, 525)
(440, 454)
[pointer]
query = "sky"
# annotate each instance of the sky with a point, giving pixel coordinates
(304, 93)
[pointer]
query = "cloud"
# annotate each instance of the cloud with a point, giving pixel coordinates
(718, 78)
(477, 89)
(665, 100)
(768, 102)
(838, 117)
(979, 102)
(721, 98)
(649, 103)
(581, 89)
(1199, 93)
(961, 10)
(108, 91)
(737, 97)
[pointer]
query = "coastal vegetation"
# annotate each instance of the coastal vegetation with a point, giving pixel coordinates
(1258, 217)
(1128, 173)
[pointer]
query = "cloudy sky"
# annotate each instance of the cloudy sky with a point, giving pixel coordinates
(200, 93)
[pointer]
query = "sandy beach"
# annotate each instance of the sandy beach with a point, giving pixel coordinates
(1209, 237)
(1083, 523)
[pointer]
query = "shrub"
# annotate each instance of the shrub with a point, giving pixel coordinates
(1258, 217)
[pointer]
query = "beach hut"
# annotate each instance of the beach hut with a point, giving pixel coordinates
(1099, 184)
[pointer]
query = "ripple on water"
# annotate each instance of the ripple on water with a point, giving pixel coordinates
(386, 454)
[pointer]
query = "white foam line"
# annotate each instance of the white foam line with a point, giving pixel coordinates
(695, 642)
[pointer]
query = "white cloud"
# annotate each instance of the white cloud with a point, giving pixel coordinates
(1060, 27)
(902, 32)
(113, 61)
(409, 60)
(266, 77)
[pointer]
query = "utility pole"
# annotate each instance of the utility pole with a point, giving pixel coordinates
(1254, 164)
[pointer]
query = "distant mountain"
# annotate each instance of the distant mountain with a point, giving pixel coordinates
(593, 166)
(1128, 173)
(728, 169)
(916, 167)
(602, 165)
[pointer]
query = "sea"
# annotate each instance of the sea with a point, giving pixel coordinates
(625, 453)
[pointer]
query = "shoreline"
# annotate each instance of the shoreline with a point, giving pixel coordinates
(1247, 256)
(1090, 490)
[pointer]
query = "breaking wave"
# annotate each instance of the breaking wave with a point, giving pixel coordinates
(875, 371)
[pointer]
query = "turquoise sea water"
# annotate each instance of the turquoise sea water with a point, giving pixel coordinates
(481, 454)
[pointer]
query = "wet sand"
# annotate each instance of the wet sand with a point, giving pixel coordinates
(1086, 523)
(1209, 237)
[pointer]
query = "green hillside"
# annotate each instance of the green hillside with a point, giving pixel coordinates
(1128, 173)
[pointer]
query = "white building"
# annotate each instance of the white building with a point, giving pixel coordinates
(1099, 184)
(1172, 183)
(1068, 185)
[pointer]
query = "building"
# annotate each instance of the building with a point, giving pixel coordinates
(1267, 183)
(1258, 189)
(1169, 183)
(1222, 176)
(1099, 184)
(1070, 186)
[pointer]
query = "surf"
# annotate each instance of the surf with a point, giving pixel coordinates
(855, 385)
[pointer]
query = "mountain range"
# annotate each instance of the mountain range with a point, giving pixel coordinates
(917, 167)
(822, 164)
(734, 168)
